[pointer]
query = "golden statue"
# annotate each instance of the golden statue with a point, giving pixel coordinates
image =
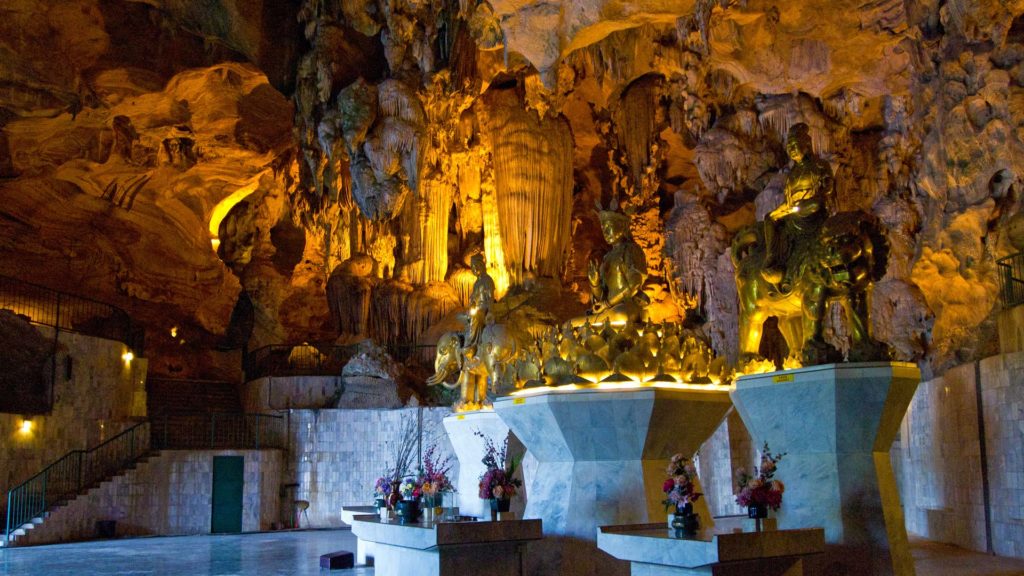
(480, 300)
(487, 357)
(616, 283)
(801, 259)
(799, 218)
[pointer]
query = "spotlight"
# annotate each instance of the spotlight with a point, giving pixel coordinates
(26, 426)
(128, 357)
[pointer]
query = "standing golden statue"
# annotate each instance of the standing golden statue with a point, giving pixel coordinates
(480, 299)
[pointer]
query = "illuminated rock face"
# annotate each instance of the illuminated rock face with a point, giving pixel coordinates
(166, 156)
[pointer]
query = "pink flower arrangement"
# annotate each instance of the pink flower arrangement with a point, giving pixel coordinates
(680, 488)
(434, 478)
(762, 488)
(497, 481)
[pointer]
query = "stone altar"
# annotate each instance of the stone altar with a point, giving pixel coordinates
(447, 548)
(653, 550)
(601, 456)
(836, 423)
(469, 449)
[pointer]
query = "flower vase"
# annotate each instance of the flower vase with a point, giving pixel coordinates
(407, 511)
(685, 522)
(499, 505)
(758, 512)
(395, 497)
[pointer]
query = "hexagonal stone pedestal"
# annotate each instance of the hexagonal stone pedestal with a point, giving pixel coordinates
(836, 424)
(601, 457)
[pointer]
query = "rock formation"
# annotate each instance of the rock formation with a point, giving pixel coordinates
(337, 164)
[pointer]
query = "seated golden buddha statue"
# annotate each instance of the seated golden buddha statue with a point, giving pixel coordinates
(616, 283)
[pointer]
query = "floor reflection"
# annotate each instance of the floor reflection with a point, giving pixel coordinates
(266, 554)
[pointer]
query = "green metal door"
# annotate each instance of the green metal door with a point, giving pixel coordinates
(228, 477)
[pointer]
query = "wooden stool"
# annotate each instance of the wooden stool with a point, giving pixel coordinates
(301, 508)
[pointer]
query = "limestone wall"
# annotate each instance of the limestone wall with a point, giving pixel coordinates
(169, 494)
(939, 457)
(336, 455)
(98, 400)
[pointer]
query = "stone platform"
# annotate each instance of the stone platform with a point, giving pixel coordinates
(600, 457)
(469, 449)
(654, 550)
(447, 548)
(836, 424)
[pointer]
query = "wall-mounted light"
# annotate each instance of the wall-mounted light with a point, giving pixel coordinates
(26, 426)
(128, 357)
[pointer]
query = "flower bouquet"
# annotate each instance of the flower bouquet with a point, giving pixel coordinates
(434, 479)
(761, 491)
(381, 490)
(680, 490)
(408, 509)
(497, 483)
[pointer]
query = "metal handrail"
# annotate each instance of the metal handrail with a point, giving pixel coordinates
(70, 312)
(280, 360)
(218, 431)
(77, 469)
(1011, 280)
(71, 473)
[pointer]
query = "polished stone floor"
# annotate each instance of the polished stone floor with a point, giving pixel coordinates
(297, 554)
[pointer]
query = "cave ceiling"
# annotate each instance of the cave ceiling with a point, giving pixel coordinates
(335, 164)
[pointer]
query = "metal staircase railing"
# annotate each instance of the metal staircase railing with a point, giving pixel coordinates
(79, 469)
(73, 472)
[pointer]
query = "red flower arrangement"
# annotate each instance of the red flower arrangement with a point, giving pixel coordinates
(762, 488)
(497, 481)
(679, 487)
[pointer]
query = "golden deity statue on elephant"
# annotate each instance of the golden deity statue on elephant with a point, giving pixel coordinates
(486, 358)
(800, 259)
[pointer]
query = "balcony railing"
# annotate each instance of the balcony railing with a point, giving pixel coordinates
(323, 360)
(69, 312)
(1011, 280)
(218, 431)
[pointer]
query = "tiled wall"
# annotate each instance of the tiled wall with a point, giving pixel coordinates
(939, 457)
(336, 455)
(719, 458)
(1002, 393)
(94, 404)
(170, 493)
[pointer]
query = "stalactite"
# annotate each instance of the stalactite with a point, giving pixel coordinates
(635, 123)
(493, 251)
(401, 314)
(426, 221)
(533, 186)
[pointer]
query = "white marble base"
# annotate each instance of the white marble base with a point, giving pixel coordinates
(836, 424)
(469, 449)
(364, 549)
(447, 549)
(600, 459)
(653, 550)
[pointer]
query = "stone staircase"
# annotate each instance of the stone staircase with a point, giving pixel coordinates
(65, 519)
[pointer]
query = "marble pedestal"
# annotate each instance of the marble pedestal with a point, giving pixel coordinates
(469, 449)
(653, 550)
(836, 424)
(447, 548)
(600, 459)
